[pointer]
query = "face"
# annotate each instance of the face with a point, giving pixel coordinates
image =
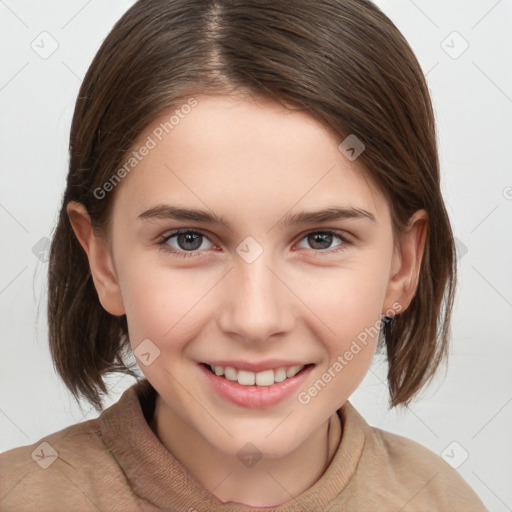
(271, 287)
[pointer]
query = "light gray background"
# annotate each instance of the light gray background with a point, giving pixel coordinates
(469, 404)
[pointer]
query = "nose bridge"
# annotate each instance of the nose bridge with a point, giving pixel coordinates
(256, 304)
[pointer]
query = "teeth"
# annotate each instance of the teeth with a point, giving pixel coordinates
(264, 378)
(293, 370)
(230, 373)
(246, 378)
(280, 374)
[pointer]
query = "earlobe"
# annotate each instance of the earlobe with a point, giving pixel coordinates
(407, 260)
(100, 259)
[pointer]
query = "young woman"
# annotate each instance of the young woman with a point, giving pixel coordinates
(253, 208)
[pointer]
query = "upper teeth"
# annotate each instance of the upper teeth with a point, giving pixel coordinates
(264, 378)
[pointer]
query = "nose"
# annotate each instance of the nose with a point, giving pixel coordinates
(257, 305)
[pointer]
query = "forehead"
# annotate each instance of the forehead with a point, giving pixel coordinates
(243, 151)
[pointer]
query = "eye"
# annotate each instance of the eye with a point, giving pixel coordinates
(322, 240)
(186, 243)
(183, 242)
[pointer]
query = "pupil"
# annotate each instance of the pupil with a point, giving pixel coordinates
(189, 238)
(325, 238)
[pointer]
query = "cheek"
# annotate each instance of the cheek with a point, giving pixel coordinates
(349, 305)
(349, 334)
(348, 300)
(161, 302)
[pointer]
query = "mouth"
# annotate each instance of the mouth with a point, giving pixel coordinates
(263, 378)
(255, 390)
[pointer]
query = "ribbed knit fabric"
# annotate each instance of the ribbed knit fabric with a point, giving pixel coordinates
(116, 463)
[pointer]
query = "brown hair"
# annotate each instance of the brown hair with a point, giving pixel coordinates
(342, 61)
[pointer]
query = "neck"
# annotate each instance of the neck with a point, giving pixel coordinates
(269, 482)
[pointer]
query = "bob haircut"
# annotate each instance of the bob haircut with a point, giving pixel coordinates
(343, 62)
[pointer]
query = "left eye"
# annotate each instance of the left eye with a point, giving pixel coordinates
(185, 243)
(322, 239)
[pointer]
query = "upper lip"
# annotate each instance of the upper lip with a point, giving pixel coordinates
(268, 364)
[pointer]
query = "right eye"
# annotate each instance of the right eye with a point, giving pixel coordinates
(186, 242)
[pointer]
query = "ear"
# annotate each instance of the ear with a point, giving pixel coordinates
(406, 263)
(100, 259)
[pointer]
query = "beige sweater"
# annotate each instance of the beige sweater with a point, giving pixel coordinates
(116, 463)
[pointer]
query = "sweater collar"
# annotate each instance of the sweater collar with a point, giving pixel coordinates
(158, 478)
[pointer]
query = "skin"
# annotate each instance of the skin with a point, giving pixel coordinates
(251, 161)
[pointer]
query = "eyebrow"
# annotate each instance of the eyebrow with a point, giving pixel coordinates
(164, 211)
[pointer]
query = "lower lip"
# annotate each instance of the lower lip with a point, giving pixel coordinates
(254, 397)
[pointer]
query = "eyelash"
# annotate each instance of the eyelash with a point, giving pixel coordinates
(194, 254)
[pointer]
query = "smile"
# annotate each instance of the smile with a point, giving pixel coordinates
(250, 389)
(249, 378)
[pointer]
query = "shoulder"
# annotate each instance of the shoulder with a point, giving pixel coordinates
(436, 484)
(61, 469)
(393, 472)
